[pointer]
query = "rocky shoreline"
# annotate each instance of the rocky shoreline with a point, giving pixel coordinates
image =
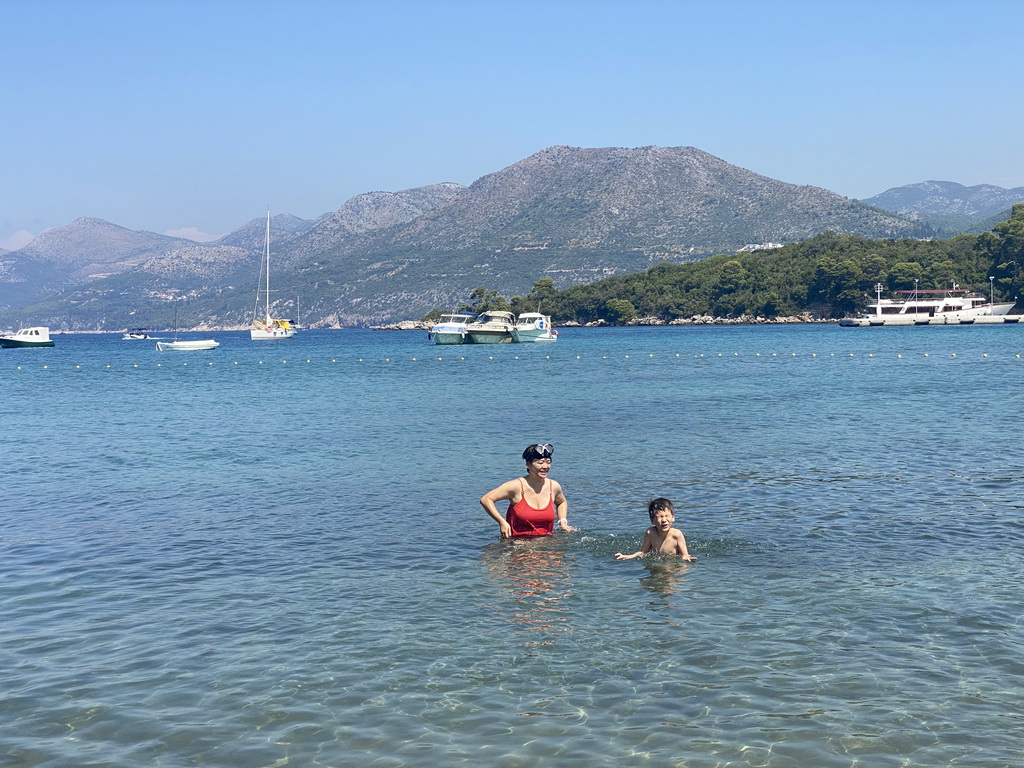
(420, 325)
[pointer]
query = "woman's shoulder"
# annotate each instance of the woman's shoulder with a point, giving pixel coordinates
(506, 489)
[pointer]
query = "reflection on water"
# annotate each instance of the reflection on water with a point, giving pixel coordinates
(663, 576)
(535, 578)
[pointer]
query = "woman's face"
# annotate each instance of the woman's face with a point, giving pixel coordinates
(539, 467)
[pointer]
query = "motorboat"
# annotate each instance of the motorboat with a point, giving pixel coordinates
(451, 328)
(135, 333)
(264, 325)
(491, 328)
(948, 306)
(197, 345)
(533, 326)
(36, 336)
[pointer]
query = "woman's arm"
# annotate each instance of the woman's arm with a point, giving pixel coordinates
(504, 492)
(561, 508)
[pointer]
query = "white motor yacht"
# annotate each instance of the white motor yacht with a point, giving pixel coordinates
(533, 326)
(949, 306)
(491, 328)
(451, 328)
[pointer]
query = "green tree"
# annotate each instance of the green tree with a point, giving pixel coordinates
(903, 274)
(620, 310)
(483, 299)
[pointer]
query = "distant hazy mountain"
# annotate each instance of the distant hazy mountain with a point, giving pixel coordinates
(948, 206)
(85, 250)
(251, 235)
(366, 213)
(571, 214)
(89, 251)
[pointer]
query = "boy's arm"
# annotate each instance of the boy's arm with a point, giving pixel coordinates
(681, 549)
(644, 549)
(648, 542)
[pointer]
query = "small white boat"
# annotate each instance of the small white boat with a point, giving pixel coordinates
(135, 333)
(451, 328)
(37, 336)
(949, 306)
(267, 327)
(533, 326)
(186, 346)
(491, 328)
(194, 345)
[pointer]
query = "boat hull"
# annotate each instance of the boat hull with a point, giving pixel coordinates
(447, 337)
(187, 346)
(533, 335)
(8, 343)
(489, 337)
(262, 334)
(949, 318)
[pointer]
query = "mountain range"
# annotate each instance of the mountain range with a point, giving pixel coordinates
(571, 214)
(949, 207)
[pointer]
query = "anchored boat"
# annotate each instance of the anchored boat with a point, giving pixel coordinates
(195, 345)
(38, 336)
(451, 328)
(491, 328)
(267, 327)
(533, 326)
(949, 306)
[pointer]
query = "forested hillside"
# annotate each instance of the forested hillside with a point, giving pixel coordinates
(827, 276)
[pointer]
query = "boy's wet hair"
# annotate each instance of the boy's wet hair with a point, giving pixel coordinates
(658, 505)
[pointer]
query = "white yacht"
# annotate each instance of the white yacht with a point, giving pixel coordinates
(533, 326)
(265, 326)
(451, 328)
(949, 306)
(491, 328)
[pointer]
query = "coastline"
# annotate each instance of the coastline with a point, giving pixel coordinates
(420, 325)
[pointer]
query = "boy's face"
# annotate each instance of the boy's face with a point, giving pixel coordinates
(663, 519)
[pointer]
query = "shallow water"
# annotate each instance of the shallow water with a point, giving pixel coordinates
(272, 553)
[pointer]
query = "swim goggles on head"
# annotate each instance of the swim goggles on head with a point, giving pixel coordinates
(539, 451)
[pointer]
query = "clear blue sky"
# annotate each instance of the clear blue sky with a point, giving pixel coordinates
(168, 115)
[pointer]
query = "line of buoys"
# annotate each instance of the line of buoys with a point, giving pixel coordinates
(650, 356)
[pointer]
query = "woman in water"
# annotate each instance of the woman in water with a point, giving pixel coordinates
(536, 501)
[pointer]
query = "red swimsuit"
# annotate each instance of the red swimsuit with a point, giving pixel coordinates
(530, 521)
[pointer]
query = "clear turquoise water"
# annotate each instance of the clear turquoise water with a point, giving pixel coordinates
(272, 554)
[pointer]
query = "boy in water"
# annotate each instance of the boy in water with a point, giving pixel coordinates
(661, 537)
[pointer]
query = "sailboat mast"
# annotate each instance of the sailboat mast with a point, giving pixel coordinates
(266, 256)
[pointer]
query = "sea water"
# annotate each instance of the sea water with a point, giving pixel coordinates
(272, 554)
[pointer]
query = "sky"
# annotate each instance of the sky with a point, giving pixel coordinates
(193, 117)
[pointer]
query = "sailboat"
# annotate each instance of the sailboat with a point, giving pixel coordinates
(267, 327)
(196, 345)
